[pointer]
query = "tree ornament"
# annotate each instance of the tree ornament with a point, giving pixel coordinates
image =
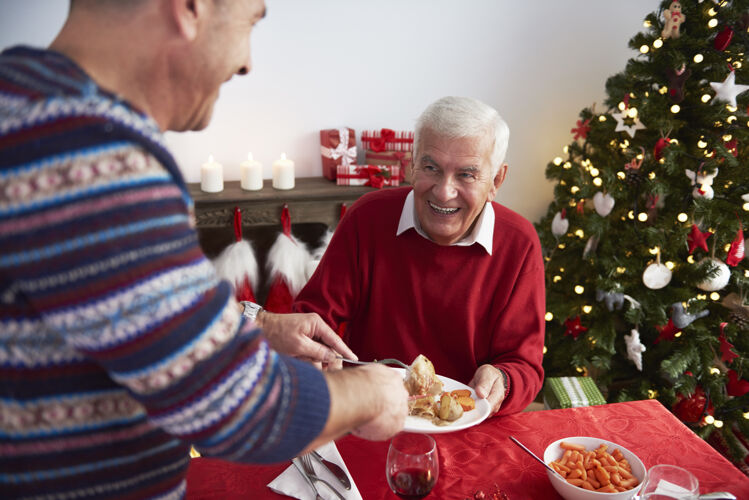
(691, 409)
(660, 144)
(237, 263)
(681, 319)
(736, 387)
(591, 245)
(672, 17)
(634, 175)
(736, 252)
(667, 331)
(726, 354)
(702, 182)
(614, 300)
(719, 280)
(656, 275)
(574, 328)
(634, 348)
(582, 129)
(727, 90)
(732, 147)
(723, 38)
(677, 79)
(603, 203)
(739, 311)
(626, 123)
(560, 223)
(697, 238)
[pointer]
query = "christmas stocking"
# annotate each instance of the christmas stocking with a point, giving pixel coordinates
(237, 263)
(287, 264)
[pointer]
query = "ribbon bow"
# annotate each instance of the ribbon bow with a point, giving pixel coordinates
(376, 176)
(378, 144)
(342, 151)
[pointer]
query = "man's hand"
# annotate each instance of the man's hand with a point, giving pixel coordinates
(392, 397)
(489, 383)
(305, 336)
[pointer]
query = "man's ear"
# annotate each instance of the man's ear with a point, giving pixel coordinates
(185, 15)
(499, 178)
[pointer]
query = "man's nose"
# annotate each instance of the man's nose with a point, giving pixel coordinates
(445, 188)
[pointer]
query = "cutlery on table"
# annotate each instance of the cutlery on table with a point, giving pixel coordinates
(309, 470)
(717, 495)
(386, 361)
(306, 478)
(334, 469)
(534, 456)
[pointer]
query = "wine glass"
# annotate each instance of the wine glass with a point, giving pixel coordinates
(666, 482)
(412, 465)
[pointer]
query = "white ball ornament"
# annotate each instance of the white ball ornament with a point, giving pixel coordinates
(560, 224)
(603, 203)
(718, 281)
(656, 276)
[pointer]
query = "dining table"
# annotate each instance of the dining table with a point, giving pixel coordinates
(483, 458)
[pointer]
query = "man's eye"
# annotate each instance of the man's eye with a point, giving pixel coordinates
(467, 177)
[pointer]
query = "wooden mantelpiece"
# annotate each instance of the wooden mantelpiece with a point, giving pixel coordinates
(313, 199)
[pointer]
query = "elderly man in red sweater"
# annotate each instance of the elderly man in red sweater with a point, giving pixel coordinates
(439, 268)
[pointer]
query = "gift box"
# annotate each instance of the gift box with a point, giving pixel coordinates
(389, 158)
(571, 392)
(337, 147)
(368, 175)
(388, 140)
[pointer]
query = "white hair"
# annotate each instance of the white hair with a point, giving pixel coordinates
(456, 117)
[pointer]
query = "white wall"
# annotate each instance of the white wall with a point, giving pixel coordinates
(328, 63)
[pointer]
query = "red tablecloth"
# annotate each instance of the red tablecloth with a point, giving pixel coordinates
(478, 457)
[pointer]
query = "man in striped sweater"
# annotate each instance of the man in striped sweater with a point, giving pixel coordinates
(118, 345)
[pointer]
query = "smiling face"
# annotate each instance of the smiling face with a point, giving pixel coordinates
(452, 181)
(221, 50)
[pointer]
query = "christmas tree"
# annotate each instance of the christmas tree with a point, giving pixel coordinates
(644, 242)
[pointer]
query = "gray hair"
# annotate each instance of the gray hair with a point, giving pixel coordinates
(456, 117)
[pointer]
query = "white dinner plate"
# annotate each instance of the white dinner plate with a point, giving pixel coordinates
(469, 418)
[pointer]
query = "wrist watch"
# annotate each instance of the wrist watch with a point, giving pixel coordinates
(251, 310)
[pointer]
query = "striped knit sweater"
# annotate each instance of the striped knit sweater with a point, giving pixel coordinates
(118, 346)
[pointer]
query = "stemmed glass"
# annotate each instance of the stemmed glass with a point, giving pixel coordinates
(412, 465)
(666, 482)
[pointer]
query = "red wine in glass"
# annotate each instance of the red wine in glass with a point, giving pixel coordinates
(412, 483)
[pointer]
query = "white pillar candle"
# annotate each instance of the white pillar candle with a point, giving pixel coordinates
(283, 173)
(211, 176)
(251, 174)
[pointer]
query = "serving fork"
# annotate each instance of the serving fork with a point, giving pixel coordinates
(386, 361)
(309, 471)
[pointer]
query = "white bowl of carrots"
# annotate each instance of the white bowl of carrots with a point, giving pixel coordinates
(592, 468)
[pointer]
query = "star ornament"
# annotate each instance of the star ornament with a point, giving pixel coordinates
(728, 90)
(667, 332)
(628, 124)
(726, 354)
(697, 238)
(574, 328)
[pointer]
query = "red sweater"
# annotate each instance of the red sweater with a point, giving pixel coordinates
(459, 306)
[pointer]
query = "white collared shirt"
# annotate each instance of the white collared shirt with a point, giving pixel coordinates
(483, 231)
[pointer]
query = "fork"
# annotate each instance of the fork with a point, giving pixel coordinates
(309, 469)
(386, 361)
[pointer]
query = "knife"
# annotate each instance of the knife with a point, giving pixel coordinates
(337, 471)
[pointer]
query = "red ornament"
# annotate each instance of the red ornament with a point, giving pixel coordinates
(574, 328)
(723, 38)
(691, 409)
(735, 386)
(726, 354)
(582, 129)
(736, 252)
(697, 238)
(660, 144)
(580, 207)
(733, 147)
(667, 332)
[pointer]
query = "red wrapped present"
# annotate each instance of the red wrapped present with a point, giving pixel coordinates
(337, 147)
(368, 175)
(400, 158)
(388, 140)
